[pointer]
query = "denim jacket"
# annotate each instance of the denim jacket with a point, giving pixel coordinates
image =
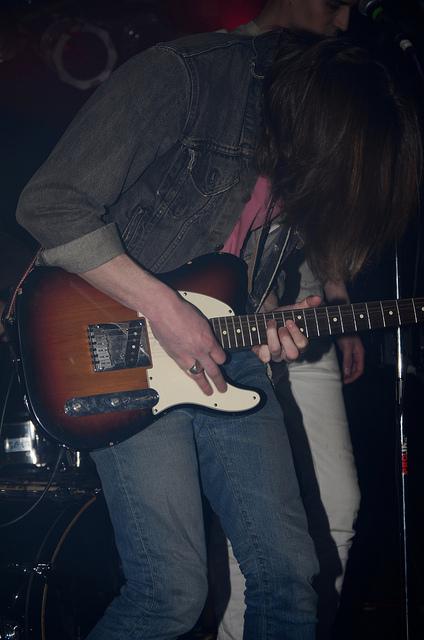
(159, 162)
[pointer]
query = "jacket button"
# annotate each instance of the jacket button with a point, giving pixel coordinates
(219, 247)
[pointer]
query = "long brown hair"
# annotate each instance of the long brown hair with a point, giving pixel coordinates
(342, 149)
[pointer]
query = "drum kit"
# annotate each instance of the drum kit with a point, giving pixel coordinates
(58, 562)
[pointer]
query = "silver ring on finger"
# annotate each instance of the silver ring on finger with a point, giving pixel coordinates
(195, 368)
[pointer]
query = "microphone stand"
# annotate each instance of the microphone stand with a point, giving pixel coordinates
(409, 50)
(374, 9)
(401, 373)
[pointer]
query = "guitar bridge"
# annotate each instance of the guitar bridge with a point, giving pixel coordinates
(119, 345)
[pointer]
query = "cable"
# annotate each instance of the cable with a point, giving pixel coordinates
(42, 496)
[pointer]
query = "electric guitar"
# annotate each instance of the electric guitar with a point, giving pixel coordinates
(95, 374)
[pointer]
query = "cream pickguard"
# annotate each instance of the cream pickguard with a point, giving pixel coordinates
(175, 387)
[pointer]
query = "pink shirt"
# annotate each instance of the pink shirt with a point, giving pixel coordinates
(252, 217)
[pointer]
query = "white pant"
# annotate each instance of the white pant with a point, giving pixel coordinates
(317, 424)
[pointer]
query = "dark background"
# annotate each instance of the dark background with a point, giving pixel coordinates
(35, 107)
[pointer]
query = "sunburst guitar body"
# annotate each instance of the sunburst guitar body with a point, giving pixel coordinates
(95, 374)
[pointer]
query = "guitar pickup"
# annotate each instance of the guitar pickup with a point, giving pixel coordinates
(144, 399)
(119, 345)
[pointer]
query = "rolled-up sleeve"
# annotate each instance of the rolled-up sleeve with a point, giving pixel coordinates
(137, 114)
(85, 253)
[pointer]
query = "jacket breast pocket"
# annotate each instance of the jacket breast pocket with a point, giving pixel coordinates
(194, 180)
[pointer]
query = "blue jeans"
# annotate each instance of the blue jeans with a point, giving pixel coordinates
(243, 464)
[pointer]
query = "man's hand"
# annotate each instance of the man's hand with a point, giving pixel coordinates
(351, 347)
(179, 327)
(288, 342)
(353, 357)
(188, 338)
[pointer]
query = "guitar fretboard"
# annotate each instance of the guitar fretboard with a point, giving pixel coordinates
(238, 332)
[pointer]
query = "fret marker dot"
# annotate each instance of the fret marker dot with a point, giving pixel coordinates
(422, 308)
(253, 328)
(238, 331)
(390, 313)
(299, 317)
(334, 319)
(224, 333)
(361, 315)
(302, 329)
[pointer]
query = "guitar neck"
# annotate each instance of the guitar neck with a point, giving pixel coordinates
(238, 332)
